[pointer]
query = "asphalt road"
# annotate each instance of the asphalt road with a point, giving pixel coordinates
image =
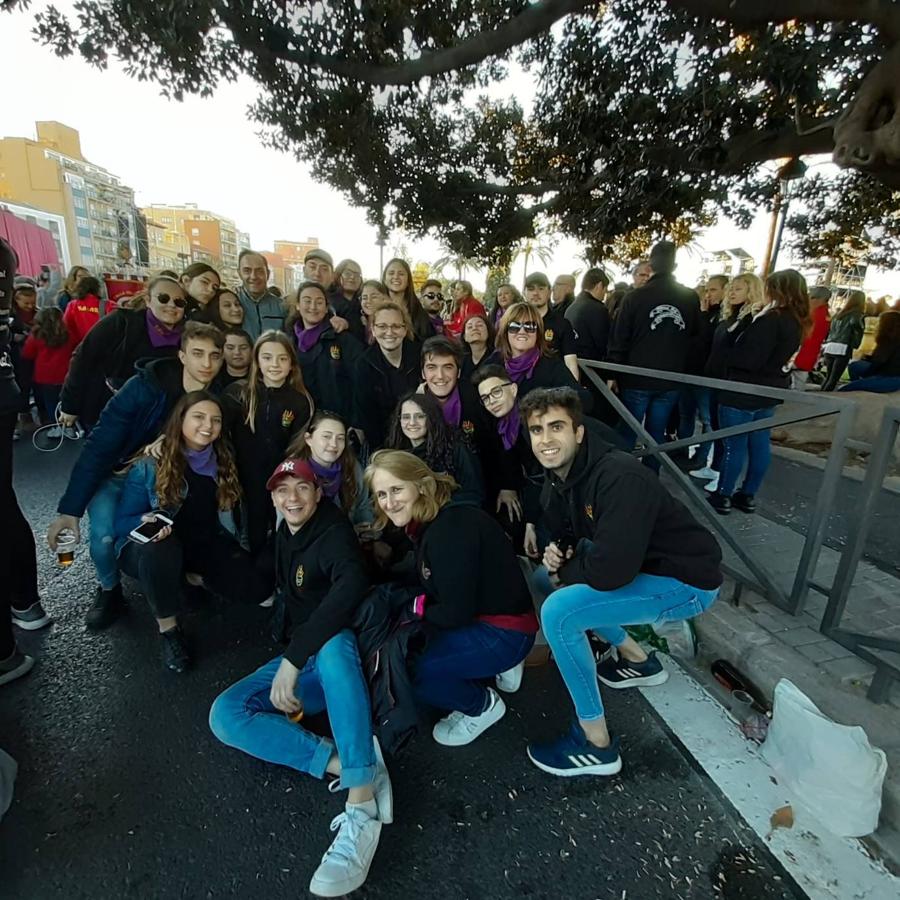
(123, 792)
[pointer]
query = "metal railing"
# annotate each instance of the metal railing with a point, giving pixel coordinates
(881, 652)
(814, 405)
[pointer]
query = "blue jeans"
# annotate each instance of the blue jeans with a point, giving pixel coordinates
(570, 612)
(860, 380)
(243, 716)
(450, 673)
(753, 450)
(693, 404)
(102, 512)
(653, 409)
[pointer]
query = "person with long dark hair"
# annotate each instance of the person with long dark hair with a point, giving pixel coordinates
(478, 343)
(385, 371)
(225, 310)
(398, 278)
(759, 354)
(201, 283)
(879, 372)
(50, 348)
(418, 427)
(266, 412)
(845, 335)
(194, 482)
(473, 593)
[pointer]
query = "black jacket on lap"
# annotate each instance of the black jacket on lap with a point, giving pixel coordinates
(633, 522)
(467, 568)
(321, 580)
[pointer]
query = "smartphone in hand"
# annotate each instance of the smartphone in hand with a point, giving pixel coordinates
(147, 531)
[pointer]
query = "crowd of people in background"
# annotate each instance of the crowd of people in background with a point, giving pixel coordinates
(358, 456)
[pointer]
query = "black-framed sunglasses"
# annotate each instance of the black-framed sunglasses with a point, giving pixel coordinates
(527, 327)
(433, 295)
(494, 393)
(166, 299)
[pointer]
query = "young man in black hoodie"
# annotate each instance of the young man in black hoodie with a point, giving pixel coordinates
(321, 580)
(624, 551)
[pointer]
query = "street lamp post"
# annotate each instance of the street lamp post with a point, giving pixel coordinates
(793, 170)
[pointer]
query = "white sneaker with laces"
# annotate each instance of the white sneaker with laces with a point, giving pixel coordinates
(511, 680)
(713, 486)
(346, 862)
(705, 472)
(458, 729)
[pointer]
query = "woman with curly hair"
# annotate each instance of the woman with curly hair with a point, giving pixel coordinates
(194, 482)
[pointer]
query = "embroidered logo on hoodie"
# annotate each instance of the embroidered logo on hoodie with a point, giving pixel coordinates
(286, 418)
(335, 351)
(298, 577)
(659, 314)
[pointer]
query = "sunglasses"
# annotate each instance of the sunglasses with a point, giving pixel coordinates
(494, 393)
(165, 299)
(527, 327)
(433, 295)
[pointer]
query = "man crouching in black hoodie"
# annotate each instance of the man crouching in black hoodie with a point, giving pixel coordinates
(321, 579)
(624, 552)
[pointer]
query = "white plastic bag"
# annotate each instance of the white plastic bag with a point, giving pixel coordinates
(833, 770)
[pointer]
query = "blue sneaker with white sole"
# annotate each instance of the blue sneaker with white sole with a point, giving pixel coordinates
(620, 673)
(573, 754)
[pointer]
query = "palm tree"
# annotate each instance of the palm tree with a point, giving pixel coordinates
(540, 246)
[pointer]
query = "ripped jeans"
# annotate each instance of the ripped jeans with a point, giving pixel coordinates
(569, 612)
(102, 513)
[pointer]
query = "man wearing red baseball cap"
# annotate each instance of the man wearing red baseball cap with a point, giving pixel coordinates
(321, 580)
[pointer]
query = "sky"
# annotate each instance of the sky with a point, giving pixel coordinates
(208, 152)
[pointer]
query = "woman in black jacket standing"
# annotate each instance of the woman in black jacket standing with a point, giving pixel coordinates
(388, 369)
(105, 359)
(473, 593)
(758, 354)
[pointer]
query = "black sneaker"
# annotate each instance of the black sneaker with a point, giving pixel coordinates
(600, 648)
(175, 653)
(105, 609)
(620, 673)
(15, 666)
(31, 619)
(720, 503)
(744, 502)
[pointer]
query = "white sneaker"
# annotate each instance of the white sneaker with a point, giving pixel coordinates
(268, 603)
(713, 486)
(458, 729)
(511, 680)
(346, 863)
(384, 793)
(705, 472)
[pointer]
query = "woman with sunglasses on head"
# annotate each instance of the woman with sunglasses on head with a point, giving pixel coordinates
(528, 360)
(326, 357)
(193, 481)
(474, 594)
(386, 371)
(225, 310)
(201, 282)
(478, 344)
(326, 447)
(418, 426)
(265, 414)
(105, 359)
(399, 281)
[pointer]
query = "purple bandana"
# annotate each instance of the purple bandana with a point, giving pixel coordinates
(203, 462)
(329, 478)
(438, 324)
(452, 408)
(508, 428)
(161, 335)
(520, 367)
(307, 338)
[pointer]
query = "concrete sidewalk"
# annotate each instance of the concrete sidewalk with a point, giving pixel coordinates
(766, 644)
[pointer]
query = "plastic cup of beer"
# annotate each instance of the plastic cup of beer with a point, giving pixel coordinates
(65, 549)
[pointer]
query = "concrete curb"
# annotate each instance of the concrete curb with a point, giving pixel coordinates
(729, 632)
(854, 473)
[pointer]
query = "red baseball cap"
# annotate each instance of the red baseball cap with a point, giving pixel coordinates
(292, 468)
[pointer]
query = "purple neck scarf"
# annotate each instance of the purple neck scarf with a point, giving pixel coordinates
(329, 478)
(203, 462)
(520, 367)
(307, 338)
(508, 428)
(452, 408)
(438, 324)
(161, 335)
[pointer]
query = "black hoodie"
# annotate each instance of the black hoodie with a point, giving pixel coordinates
(321, 577)
(635, 525)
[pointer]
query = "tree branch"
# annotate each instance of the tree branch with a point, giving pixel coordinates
(762, 146)
(883, 14)
(535, 20)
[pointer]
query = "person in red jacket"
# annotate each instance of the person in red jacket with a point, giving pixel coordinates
(85, 308)
(808, 354)
(463, 306)
(50, 346)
